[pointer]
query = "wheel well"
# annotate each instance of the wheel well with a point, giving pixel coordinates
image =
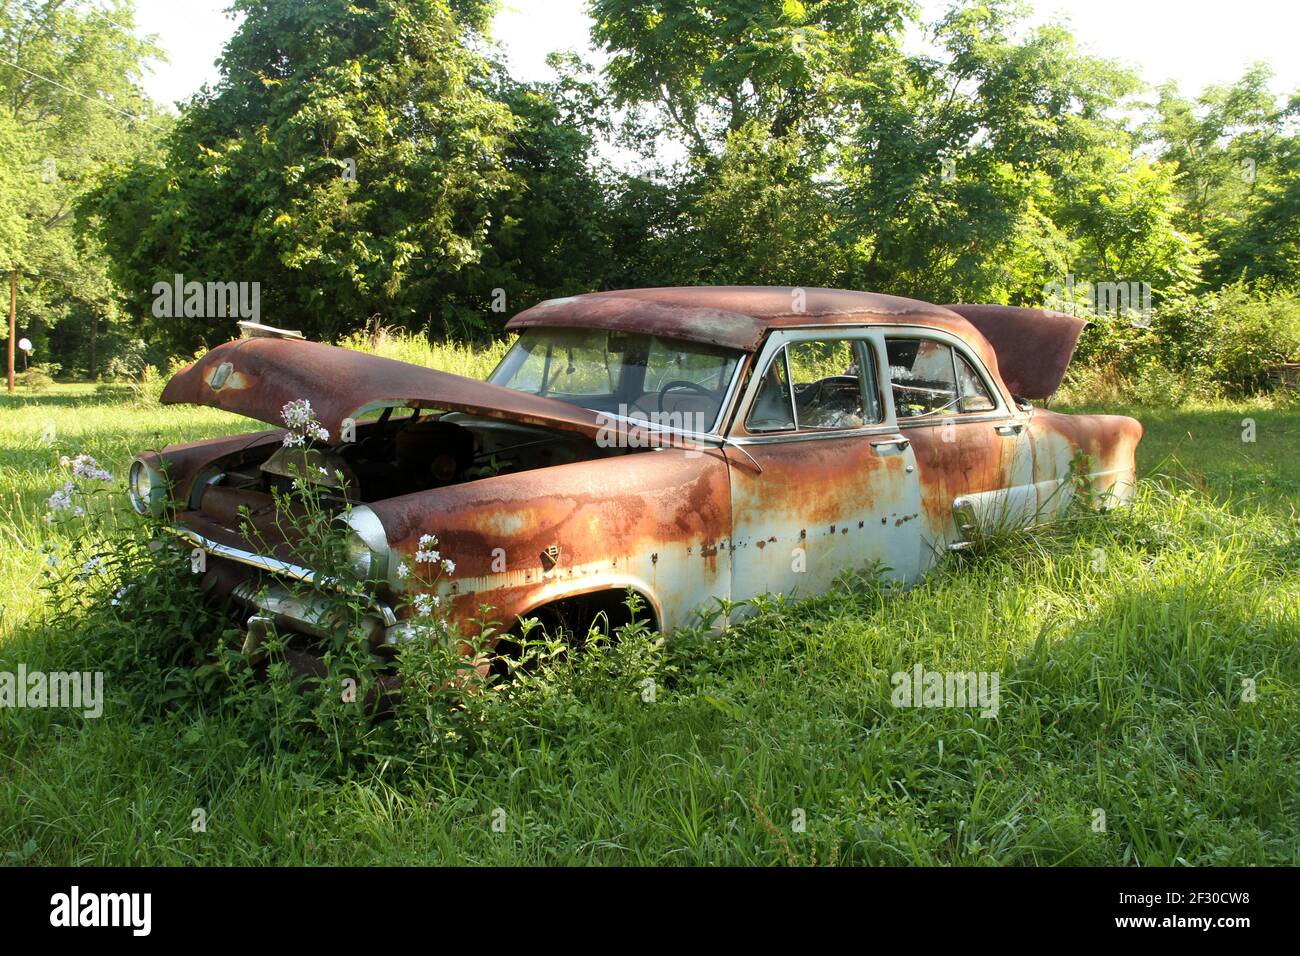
(575, 615)
(609, 608)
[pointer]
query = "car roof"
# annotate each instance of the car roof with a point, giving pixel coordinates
(737, 317)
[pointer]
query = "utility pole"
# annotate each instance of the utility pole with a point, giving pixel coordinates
(13, 323)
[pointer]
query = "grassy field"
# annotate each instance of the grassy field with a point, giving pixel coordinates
(1150, 682)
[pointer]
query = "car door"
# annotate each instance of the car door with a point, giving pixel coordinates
(972, 450)
(821, 480)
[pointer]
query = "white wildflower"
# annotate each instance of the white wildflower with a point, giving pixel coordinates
(85, 467)
(94, 566)
(402, 570)
(298, 413)
(427, 553)
(301, 421)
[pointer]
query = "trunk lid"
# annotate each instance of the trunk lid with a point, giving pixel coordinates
(1033, 346)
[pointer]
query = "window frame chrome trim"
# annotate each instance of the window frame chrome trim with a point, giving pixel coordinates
(778, 340)
(1001, 413)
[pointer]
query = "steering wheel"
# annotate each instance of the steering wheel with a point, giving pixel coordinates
(812, 391)
(682, 383)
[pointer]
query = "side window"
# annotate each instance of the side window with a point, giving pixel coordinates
(829, 391)
(922, 377)
(821, 384)
(974, 393)
(773, 410)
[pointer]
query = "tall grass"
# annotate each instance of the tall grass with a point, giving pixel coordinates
(472, 360)
(1149, 662)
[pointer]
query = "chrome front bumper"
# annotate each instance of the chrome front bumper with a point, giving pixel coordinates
(274, 602)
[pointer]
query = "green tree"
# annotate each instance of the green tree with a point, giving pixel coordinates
(1264, 247)
(349, 161)
(716, 66)
(550, 231)
(762, 219)
(974, 176)
(70, 107)
(1127, 216)
(1237, 153)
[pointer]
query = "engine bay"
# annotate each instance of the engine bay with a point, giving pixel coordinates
(400, 454)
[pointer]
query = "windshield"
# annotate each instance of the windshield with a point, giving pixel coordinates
(669, 382)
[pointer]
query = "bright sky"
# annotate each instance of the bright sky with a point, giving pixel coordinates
(1196, 42)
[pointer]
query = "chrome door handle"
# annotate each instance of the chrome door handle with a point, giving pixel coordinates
(1006, 431)
(900, 443)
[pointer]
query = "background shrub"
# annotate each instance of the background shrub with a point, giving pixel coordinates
(1195, 347)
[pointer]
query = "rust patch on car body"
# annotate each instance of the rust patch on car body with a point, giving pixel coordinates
(653, 522)
(626, 312)
(735, 317)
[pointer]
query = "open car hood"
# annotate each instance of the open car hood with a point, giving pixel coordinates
(257, 377)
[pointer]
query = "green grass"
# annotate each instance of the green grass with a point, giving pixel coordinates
(1202, 447)
(473, 361)
(1122, 644)
(78, 420)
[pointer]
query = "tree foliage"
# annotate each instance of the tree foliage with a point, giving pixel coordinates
(374, 161)
(716, 66)
(348, 162)
(70, 109)
(1238, 158)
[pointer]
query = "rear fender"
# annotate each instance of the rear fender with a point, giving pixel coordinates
(1108, 445)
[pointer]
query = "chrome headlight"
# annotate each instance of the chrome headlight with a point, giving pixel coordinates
(146, 488)
(367, 544)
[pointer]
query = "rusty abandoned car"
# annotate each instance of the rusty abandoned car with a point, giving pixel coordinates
(685, 443)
